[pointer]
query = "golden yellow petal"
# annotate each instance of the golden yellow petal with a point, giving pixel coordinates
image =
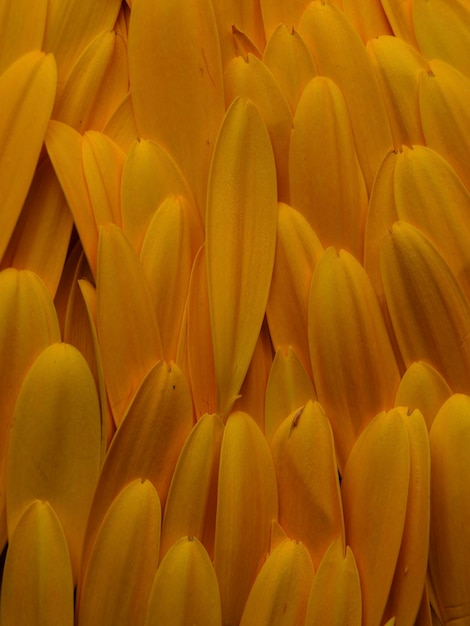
(191, 504)
(289, 388)
(22, 27)
(280, 592)
(121, 127)
(150, 175)
(335, 597)
(304, 458)
(326, 181)
(177, 41)
(240, 243)
(115, 586)
(55, 442)
(126, 321)
(250, 78)
(27, 92)
(290, 62)
(340, 55)
(354, 368)
(246, 504)
(400, 16)
(368, 18)
(173, 237)
(297, 253)
(430, 313)
(449, 551)
(277, 12)
(184, 589)
(423, 388)
(37, 585)
(375, 490)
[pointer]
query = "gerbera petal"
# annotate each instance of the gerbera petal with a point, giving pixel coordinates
(22, 26)
(400, 16)
(184, 589)
(37, 585)
(304, 457)
(27, 92)
(240, 243)
(277, 12)
(121, 126)
(280, 592)
(246, 504)
(368, 18)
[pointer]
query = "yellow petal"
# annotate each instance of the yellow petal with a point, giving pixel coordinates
(246, 504)
(184, 589)
(147, 443)
(400, 16)
(27, 92)
(177, 41)
(55, 442)
(423, 388)
(397, 65)
(289, 388)
(368, 18)
(150, 175)
(251, 79)
(116, 583)
(326, 181)
(290, 62)
(297, 253)
(335, 597)
(37, 585)
(22, 26)
(168, 250)
(277, 12)
(449, 43)
(28, 324)
(375, 491)
(449, 551)
(443, 94)
(191, 504)
(354, 368)
(309, 497)
(240, 243)
(41, 238)
(126, 321)
(430, 314)
(280, 592)
(120, 126)
(410, 575)
(340, 55)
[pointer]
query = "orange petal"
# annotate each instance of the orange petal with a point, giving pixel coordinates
(277, 12)
(246, 504)
(368, 18)
(22, 27)
(240, 243)
(121, 127)
(400, 16)
(310, 508)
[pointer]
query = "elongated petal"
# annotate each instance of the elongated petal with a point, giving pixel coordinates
(127, 325)
(289, 388)
(423, 388)
(449, 551)
(297, 252)
(368, 18)
(150, 175)
(354, 368)
(335, 597)
(55, 442)
(27, 92)
(400, 16)
(168, 250)
(120, 126)
(251, 79)
(37, 585)
(309, 498)
(185, 589)
(340, 55)
(327, 185)
(397, 65)
(22, 25)
(375, 490)
(290, 62)
(277, 12)
(147, 443)
(410, 574)
(246, 504)
(430, 314)
(280, 592)
(191, 505)
(450, 44)
(240, 243)
(443, 94)
(116, 583)
(177, 41)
